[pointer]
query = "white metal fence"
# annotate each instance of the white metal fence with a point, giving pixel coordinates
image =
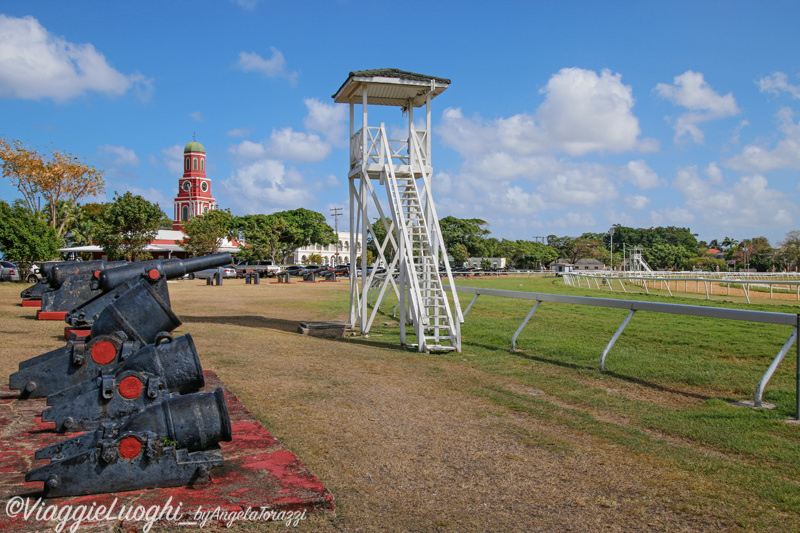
(764, 317)
(749, 283)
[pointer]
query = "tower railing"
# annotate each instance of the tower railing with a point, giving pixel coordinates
(402, 152)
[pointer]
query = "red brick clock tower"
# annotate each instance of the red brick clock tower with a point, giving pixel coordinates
(194, 188)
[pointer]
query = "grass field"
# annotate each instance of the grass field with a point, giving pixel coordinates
(489, 440)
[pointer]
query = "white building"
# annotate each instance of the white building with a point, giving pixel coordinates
(332, 254)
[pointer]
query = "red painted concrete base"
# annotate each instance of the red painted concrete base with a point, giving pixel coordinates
(75, 333)
(51, 315)
(32, 303)
(259, 472)
(282, 283)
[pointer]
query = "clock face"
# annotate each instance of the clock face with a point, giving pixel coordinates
(186, 186)
(204, 186)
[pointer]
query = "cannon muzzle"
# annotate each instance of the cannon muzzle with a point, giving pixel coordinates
(170, 269)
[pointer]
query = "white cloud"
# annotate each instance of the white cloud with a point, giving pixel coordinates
(248, 150)
(579, 185)
(197, 116)
(714, 173)
(238, 132)
(154, 196)
(636, 202)
(691, 91)
(274, 67)
(584, 112)
(641, 175)
(119, 156)
(672, 216)
(786, 154)
(35, 64)
(285, 145)
(747, 203)
(776, 83)
(267, 186)
(328, 119)
(248, 5)
(291, 145)
(171, 158)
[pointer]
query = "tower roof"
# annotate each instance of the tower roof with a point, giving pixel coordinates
(194, 146)
(390, 86)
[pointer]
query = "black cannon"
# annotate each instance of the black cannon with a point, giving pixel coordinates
(167, 445)
(152, 375)
(112, 283)
(139, 317)
(73, 276)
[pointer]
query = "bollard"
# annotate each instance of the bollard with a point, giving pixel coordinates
(248, 278)
(210, 280)
(256, 278)
(218, 276)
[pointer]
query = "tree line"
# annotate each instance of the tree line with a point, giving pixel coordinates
(49, 216)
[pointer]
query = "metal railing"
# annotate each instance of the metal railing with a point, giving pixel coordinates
(764, 317)
(780, 282)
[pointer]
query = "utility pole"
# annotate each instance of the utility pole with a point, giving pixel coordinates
(336, 212)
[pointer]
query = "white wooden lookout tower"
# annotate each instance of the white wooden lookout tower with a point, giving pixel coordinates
(412, 250)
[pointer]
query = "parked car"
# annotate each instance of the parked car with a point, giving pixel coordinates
(264, 268)
(35, 272)
(9, 271)
(227, 272)
(295, 270)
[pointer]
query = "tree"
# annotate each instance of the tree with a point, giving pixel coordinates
(788, 252)
(206, 233)
(668, 256)
(313, 259)
(307, 227)
(533, 255)
(128, 225)
(459, 253)
(380, 233)
(468, 231)
(26, 238)
(60, 181)
(266, 237)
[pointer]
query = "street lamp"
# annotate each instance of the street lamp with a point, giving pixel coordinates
(611, 233)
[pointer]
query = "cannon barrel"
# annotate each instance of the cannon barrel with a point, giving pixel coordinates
(151, 375)
(55, 274)
(170, 269)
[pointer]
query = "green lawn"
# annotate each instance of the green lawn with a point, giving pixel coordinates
(667, 390)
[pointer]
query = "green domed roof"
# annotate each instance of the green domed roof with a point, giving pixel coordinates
(194, 146)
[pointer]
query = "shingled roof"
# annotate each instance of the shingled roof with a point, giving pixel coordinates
(390, 86)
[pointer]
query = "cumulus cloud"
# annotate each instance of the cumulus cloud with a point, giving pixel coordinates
(267, 186)
(35, 64)
(690, 90)
(749, 202)
(760, 158)
(328, 119)
(274, 67)
(777, 83)
(584, 112)
(238, 132)
(119, 156)
(171, 158)
(641, 175)
(636, 202)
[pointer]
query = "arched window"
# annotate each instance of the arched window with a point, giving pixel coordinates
(203, 164)
(194, 163)
(205, 210)
(187, 163)
(185, 212)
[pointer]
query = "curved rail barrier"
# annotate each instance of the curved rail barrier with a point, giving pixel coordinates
(764, 317)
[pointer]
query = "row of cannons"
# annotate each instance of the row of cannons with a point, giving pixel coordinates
(129, 385)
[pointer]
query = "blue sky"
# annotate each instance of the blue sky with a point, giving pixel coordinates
(561, 118)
